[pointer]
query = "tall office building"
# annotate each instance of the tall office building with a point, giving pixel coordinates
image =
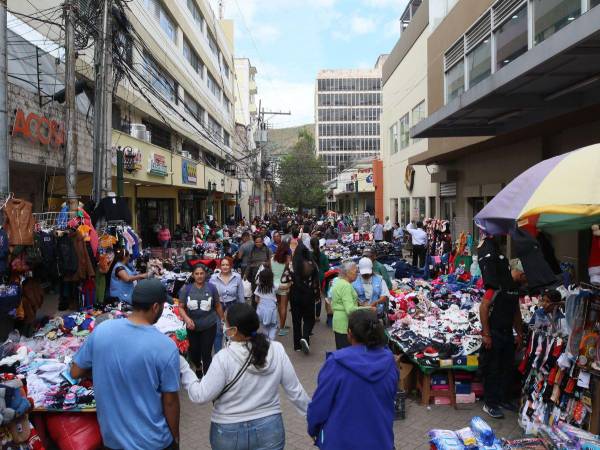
(347, 113)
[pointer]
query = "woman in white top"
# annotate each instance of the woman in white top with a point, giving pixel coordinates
(280, 260)
(243, 382)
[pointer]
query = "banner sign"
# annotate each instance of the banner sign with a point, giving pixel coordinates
(39, 129)
(188, 172)
(132, 158)
(157, 165)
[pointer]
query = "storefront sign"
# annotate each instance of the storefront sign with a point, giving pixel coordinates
(132, 158)
(39, 129)
(158, 165)
(188, 171)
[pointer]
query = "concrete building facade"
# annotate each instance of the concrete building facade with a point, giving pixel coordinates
(347, 115)
(510, 83)
(175, 112)
(408, 193)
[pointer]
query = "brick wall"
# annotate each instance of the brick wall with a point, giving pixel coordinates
(23, 151)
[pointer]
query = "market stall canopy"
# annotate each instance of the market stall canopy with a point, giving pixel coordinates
(558, 194)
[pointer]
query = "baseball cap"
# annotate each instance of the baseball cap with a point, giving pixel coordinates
(365, 266)
(149, 291)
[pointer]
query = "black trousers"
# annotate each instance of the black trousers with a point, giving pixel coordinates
(418, 256)
(341, 341)
(201, 345)
(497, 367)
(303, 319)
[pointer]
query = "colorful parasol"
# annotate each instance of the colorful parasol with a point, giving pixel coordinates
(558, 194)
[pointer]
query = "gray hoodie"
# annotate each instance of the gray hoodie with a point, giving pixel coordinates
(255, 394)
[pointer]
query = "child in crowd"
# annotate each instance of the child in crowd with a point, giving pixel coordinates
(548, 312)
(267, 303)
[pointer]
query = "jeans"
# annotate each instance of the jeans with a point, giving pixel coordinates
(201, 344)
(497, 366)
(266, 433)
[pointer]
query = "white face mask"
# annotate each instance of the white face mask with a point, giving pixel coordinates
(227, 337)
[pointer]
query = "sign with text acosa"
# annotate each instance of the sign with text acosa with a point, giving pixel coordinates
(157, 165)
(188, 172)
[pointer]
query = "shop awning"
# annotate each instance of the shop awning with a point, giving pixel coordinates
(556, 77)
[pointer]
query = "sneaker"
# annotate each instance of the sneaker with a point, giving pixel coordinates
(495, 413)
(305, 346)
(509, 406)
(282, 332)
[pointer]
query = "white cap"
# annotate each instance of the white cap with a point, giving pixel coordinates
(365, 266)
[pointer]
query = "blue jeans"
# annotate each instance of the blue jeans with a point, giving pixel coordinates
(266, 433)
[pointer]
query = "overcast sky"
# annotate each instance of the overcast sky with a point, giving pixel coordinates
(289, 41)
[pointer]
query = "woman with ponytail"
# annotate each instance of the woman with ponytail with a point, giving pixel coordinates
(243, 384)
(353, 406)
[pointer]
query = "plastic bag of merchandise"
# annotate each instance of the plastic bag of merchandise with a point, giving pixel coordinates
(468, 438)
(482, 431)
(74, 431)
(496, 445)
(525, 444)
(445, 440)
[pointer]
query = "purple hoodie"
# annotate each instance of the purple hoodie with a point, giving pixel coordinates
(353, 406)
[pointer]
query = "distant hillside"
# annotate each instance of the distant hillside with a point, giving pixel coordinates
(281, 140)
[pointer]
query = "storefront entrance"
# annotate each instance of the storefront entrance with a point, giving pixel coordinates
(152, 212)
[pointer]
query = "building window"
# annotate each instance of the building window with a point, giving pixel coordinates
(404, 211)
(511, 38)
(193, 108)
(432, 208)
(196, 14)
(164, 19)
(418, 208)
(213, 86)
(226, 138)
(214, 128)
(404, 131)
(160, 80)
(226, 70)
(455, 81)
(212, 43)
(192, 57)
(418, 114)
(394, 138)
(594, 3)
(549, 16)
(479, 62)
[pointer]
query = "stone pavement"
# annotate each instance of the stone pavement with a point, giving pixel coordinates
(410, 433)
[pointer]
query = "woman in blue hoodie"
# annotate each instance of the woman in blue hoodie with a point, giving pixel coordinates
(353, 406)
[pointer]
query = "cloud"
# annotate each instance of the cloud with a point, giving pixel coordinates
(340, 35)
(362, 25)
(266, 33)
(284, 95)
(392, 28)
(400, 4)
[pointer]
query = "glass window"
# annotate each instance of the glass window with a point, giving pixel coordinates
(404, 131)
(511, 38)
(479, 62)
(214, 127)
(418, 212)
(192, 57)
(549, 16)
(226, 138)
(196, 14)
(226, 70)
(193, 107)
(594, 3)
(455, 81)
(394, 138)
(157, 9)
(418, 114)
(213, 86)
(212, 43)
(160, 80)
(404, 211)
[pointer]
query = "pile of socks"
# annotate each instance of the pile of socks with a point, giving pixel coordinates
(65, 397)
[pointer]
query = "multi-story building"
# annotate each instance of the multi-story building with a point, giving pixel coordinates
(509, 83)
(174, 109)
(347, 114)
(246, 90)
(408, 193)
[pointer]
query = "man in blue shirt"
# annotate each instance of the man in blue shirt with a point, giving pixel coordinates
(275, 241)
(135, 369)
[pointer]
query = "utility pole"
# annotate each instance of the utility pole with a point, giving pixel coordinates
(102, 176)
(4, 164)
(70, 113)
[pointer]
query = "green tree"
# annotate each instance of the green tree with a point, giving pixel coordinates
(301, 175)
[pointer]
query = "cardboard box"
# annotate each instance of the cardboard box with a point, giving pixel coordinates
(465, 398)
(407, 381)
(441, 400)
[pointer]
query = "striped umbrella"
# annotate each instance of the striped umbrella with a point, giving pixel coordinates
(558, 194)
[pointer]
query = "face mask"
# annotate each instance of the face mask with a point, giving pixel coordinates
(227, 337)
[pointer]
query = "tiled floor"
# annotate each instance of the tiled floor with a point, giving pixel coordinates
(410, 433)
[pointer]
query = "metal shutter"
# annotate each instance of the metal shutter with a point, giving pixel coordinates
(454, 54)
(447, 189)
(478, 32)
(503, 9)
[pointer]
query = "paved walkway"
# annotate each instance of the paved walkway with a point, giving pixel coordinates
(410, 433)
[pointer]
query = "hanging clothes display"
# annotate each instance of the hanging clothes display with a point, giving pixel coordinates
(18, 221)
(111, 209)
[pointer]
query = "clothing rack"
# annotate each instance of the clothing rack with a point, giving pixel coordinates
(53, 220)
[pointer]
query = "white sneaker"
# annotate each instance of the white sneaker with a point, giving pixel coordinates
(305, 346)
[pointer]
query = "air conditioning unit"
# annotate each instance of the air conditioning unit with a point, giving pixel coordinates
(186, 154)
(139, 131)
